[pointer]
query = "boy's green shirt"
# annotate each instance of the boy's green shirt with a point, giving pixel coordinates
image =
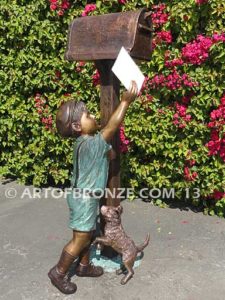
(93, 162)
(93, 167)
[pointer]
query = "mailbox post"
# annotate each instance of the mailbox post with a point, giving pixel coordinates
(99, 39)
(109, 100)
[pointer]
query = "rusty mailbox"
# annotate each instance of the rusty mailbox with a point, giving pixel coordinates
(101, 37)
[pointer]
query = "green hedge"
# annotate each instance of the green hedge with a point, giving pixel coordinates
(175, 128)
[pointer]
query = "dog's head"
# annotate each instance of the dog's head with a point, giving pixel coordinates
(111, 213)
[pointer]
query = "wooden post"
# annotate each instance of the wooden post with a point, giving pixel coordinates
(109, 100)
(110, 92)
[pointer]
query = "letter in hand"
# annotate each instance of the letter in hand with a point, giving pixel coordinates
(131, 94)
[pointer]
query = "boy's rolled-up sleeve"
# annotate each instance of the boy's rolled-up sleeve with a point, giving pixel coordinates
(99, 146)
(103, 145)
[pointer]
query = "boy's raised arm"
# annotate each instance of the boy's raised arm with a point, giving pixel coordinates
(119, 114)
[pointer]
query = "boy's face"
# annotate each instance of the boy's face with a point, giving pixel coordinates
(88, 123)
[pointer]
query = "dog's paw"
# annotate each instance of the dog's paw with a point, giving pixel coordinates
(119, 271)
(123, 281)
(126, 278)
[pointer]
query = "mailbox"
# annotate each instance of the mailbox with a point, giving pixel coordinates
(101, 37)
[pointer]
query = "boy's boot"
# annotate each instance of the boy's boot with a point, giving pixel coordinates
(85, 268)
(59, 274)
(89, 271)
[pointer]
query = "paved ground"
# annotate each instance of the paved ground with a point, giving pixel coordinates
(185, 261)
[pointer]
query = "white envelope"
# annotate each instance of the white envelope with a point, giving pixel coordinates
(126, 70)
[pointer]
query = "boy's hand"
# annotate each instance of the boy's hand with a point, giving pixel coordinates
(117, 117)
(131, 94)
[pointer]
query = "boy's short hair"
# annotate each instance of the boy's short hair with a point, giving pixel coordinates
(69, 112)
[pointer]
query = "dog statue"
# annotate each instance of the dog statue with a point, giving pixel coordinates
(116, 237)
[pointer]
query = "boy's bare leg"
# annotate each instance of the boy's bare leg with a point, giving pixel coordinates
(80, 241)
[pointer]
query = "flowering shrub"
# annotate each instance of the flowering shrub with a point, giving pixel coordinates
(197, 51)
(173, 135)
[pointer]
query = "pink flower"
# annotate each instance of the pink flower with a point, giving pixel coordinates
(176, 122)
(186, 173)
(181, 109)
(53, 6)
(158, 16)
(180, 118)
(222, 100)
(58, 74)
(173, 63)
(164, 36)
(173, 81)
(211, 124)
(222, 151)
(218, 37)
(79, 66)
(96, 78)
(216, 114)
(188, 176)
(187, 118)
(194, 175)
(124, 142)
(213, 146)
(217, 195)
(88, 8)
(201, 1)
(122, 1)
(60, 12)
(186, 99)
(191, 162)
(65, 4)
(196, 52)
(214, 135)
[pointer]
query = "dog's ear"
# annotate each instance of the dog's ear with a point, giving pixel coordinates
(119, 209)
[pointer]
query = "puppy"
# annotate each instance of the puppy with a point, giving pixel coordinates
(116, 237)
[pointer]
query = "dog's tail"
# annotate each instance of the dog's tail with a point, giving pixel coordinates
(145, 244)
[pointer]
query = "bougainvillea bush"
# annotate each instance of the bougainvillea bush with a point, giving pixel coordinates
(173, 135)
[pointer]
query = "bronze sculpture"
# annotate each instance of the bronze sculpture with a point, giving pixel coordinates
(90, 172)
(75, 121)
(116, 237)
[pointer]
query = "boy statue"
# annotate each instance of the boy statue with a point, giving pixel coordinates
(90, 171)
